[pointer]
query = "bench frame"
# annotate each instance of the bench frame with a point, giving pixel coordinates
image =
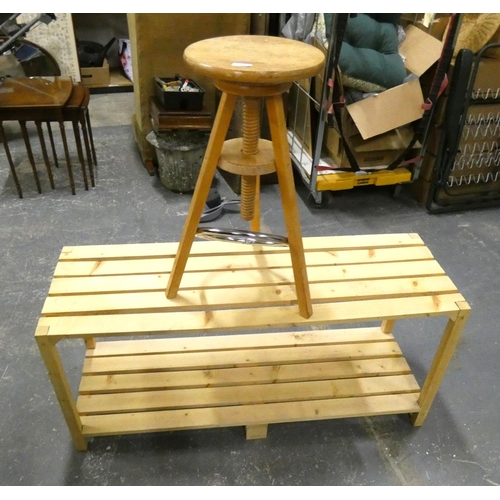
(154, 364)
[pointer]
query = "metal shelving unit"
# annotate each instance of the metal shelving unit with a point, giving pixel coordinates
(318, 171)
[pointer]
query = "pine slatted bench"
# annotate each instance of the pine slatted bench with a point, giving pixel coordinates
(232, 349)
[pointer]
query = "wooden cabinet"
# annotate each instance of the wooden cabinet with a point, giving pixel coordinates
(158, 42)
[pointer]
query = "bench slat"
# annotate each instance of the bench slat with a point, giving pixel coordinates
(214, 397)
(127, 382)
(250, 318)
(243, 297)
(153, 265)
(201, 418)
(218, 248)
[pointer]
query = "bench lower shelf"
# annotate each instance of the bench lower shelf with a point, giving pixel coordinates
(191, 363)
(245, 380)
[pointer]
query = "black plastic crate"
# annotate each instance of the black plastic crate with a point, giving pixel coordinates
(179, 100)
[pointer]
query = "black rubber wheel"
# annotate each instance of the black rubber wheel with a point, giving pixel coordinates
(324, 200)
(396, 192)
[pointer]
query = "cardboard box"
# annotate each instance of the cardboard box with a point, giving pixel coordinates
(433, 24)
(402, 104)
(399, 105)
(436, 28)
(95, 77)
(376, 152)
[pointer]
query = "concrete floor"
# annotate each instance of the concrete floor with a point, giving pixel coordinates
(459, 444)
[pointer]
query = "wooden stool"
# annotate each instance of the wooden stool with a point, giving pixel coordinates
(252, 67)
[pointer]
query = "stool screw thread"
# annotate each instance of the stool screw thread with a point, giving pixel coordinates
(251, 125)
(251, 134)
(247, 202)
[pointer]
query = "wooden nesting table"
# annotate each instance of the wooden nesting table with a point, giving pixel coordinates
(232, 349)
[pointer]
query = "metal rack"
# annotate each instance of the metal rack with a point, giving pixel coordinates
(318, 171)
(304, 160)
(467, 166)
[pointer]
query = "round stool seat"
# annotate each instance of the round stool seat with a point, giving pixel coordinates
(254, 59)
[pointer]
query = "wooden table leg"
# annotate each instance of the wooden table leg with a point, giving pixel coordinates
(3, 138)
(44, 153)
(78, 141)
(52, 145)
(441, 360)
(26, 138)
(87, 149)
(277, 123)
(52, 361)
(207, 172)
(68, 160)
(89, 128)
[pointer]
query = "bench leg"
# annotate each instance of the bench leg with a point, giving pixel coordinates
(441, 360)
(60, 383)
(90, 342)
(256, 431)
(387, 325)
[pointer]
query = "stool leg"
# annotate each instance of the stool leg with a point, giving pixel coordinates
(277, 123)
(52, 145)
(78, 141)
(26, 138)
(68, 160)
(3, 138)
(207, 172)
(44, 153)
(255, 223)
(87, 148)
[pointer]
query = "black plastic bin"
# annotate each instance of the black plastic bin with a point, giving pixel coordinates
(179, 101)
